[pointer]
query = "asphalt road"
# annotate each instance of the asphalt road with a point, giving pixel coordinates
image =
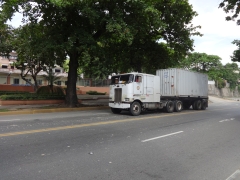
(88, 145)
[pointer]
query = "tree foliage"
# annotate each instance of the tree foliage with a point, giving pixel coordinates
(236, 53)
(231, 6)
(51, 77)
(231, 74)
(34, 51)
(6, 34)
(201, 62)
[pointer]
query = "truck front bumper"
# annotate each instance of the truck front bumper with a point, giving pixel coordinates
(119, 105)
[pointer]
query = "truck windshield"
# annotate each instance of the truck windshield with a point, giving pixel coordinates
(122, 79)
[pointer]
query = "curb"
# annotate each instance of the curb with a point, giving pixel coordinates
(35, 111)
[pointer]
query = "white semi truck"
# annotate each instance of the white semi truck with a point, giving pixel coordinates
(170, 89)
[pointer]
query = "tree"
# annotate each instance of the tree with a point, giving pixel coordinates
(83, 27)
(201, 62)
(236, 53)
(51, 77)
(231, 74)
(34, 52)
(6, 34)
(145, 53)
(231, 6)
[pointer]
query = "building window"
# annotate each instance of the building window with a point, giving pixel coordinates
(15, 81)
(4, 66)
(13, 57)
(65, 83)
(59, 83)
(57, 70)
(39, 82)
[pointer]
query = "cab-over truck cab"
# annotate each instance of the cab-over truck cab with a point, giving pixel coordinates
(134, 92)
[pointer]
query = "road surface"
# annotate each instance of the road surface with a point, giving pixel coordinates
(88, 145)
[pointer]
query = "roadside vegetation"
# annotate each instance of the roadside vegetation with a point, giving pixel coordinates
(32, 97)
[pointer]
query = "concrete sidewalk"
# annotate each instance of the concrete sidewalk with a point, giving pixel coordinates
(215, 99)
(88, 103)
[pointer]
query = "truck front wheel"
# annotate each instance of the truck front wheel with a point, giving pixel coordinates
(169, 107)
(135, 108)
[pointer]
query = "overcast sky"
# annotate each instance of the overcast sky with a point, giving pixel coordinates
(218, 34)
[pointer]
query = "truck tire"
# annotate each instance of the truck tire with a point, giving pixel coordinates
(116, 110)
(197, 105)
(169, 107)
(135, 108)
(178, 106)
(204, 104)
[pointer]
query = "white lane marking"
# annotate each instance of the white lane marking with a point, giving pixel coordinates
(10, 120)
(234, 176)
(225, 120)
(162, 136)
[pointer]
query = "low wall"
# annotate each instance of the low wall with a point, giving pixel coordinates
(4, 87)
(224, 92)
(84, 89)
(80, 89)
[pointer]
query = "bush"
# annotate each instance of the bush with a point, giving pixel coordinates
(33, 97)
(220, 83)
(13, 92)
(95, 93)
(50, 90)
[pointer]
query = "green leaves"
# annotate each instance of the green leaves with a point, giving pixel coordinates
(233, 7)
(201, 62)
(236, 53)
(6, 35)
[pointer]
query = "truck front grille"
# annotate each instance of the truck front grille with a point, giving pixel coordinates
(118, 95)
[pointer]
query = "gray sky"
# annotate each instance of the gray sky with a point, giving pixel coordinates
(218, 34)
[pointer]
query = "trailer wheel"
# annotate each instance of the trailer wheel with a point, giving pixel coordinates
(169, 107)
(178, 106)
(135, 108)
(204, 105)
(116, 110)
(197, 105)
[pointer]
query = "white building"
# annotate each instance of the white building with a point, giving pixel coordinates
(12, 76)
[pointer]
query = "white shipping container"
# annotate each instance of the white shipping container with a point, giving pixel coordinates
(182, 83)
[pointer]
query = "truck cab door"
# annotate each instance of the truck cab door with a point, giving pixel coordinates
(138, 84)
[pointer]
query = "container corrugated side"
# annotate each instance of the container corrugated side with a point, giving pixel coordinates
(182, 83)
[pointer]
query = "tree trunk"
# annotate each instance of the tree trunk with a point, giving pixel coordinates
(71, 94)
(35, 83)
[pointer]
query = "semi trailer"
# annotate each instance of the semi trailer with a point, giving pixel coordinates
(170, 89)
